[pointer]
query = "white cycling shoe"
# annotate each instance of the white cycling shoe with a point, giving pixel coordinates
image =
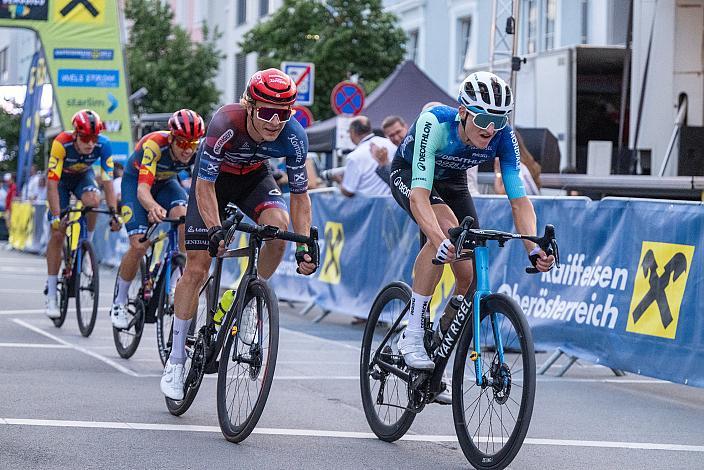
(445, 397)
(52, 307)
(172, 380)
(414, 354)
(118, 314)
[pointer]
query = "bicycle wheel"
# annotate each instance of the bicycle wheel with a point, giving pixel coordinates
(87, 285)
(384, 395)
(197, 352)
(127, 339)
(165, 313)
(62, 290)
(247, 362)
(492, 420)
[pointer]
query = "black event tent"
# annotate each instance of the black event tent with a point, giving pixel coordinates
(403, 93)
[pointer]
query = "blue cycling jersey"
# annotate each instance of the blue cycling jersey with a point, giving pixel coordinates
(435, 151)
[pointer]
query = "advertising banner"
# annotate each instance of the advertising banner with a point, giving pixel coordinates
(29, 128)
(81, 40)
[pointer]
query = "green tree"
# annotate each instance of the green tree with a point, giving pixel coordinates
(342, 38)
(161, 57)
(10, 141)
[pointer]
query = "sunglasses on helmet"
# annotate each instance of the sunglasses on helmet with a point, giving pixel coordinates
(88, 138)
(482, 120)
(267, 114)
(185, 144)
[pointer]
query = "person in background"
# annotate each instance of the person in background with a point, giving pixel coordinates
(395, 129)
(117, 182)
(32, 183)
(38, 193)
(360, 175)
(11, 189)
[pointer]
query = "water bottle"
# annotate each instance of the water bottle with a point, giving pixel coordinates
(448, 315)
(228, 297)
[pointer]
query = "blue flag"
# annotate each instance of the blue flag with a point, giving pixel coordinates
(29, 129)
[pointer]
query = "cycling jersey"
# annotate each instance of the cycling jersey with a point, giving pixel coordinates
(228, 148)
(64, 157)
(435, 151)
(152, 161)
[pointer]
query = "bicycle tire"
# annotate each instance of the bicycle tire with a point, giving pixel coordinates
(62, 291)
(386, 428)
(135, 310)
(165, 314)
(86, 314)
(196, 361)
(248, 343)
(509, 316)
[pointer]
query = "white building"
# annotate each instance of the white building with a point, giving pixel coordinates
(17, 46)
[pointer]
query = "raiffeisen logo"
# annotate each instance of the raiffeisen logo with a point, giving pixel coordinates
(658, 290)
(605, 282)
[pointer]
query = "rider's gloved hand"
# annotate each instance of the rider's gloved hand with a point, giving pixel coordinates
(115, 220)
(445, 251)
(541, 260)
(215, 237)
(55, 222)
(305, 261)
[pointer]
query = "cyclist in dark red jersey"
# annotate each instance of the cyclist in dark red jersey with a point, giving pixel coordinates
(232, 166)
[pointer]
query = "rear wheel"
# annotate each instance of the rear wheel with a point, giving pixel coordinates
(492, 419)
(62, 290)
(87, 285)
(127, 339)
(385, 396)
(247, 362)
(165, 313)
(198, 343)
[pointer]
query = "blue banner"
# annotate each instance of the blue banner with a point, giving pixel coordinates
(29, 128)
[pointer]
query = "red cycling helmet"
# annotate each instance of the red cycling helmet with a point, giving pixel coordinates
(271, 86)
(186, 124)
(87, 122)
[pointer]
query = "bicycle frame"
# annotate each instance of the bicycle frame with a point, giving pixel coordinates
(72, 252)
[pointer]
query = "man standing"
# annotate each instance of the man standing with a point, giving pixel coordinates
(360, 170)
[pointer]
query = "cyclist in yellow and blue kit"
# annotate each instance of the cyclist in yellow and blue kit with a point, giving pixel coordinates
(71, 157)
(150, 189)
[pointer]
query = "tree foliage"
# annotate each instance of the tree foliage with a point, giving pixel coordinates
(342, 38)
(177, 72)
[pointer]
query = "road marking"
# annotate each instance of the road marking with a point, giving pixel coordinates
(81, 349)
(340, 434)
(34, 345)
(32, 311)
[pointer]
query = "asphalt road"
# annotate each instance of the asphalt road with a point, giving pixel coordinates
(71, 402)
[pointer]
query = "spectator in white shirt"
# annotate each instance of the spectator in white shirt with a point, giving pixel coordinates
(360, 170)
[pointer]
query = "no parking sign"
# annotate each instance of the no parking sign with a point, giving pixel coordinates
(303, 73)
(303, 115)
(347, 98)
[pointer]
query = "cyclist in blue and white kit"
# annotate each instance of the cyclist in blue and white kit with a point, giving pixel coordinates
(429, 180)
(233, 167)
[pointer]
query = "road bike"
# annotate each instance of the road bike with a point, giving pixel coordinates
(150, 295)
(243, 349)
(79, 274)
(493, 375)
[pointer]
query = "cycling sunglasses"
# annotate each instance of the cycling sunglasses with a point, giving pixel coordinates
(482, 120)
(88, 138)
(267, 114)
(185, 144)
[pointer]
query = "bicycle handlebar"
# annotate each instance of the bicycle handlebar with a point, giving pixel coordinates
(152, 226)
(234, 223)
(83, 211)
(466, 237)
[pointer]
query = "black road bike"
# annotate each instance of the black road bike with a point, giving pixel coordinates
(150, 299)
(493, 375)
(243, 350)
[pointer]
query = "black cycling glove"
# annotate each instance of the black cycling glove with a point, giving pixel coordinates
(215, 235)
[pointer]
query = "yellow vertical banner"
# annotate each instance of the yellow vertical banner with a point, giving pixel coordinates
(83, 50)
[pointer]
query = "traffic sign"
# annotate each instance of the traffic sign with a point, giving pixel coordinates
(303, 73)
(347, 98)
(303, 115)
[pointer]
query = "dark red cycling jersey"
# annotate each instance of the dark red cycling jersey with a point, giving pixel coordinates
(228, 148)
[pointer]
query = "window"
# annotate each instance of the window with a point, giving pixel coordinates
(263, 7)
(550, 15)
(464, 30)
(531, 26)
(240, 74)
(412, 45)
(241, 11)
(3, 64)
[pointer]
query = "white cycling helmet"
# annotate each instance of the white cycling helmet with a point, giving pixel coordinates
(486, 92)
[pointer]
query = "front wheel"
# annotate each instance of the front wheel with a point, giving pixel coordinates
(385, 395)
(87, 285)
(63, 290)
(127, 339)
(492, 419)
(247, 362)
